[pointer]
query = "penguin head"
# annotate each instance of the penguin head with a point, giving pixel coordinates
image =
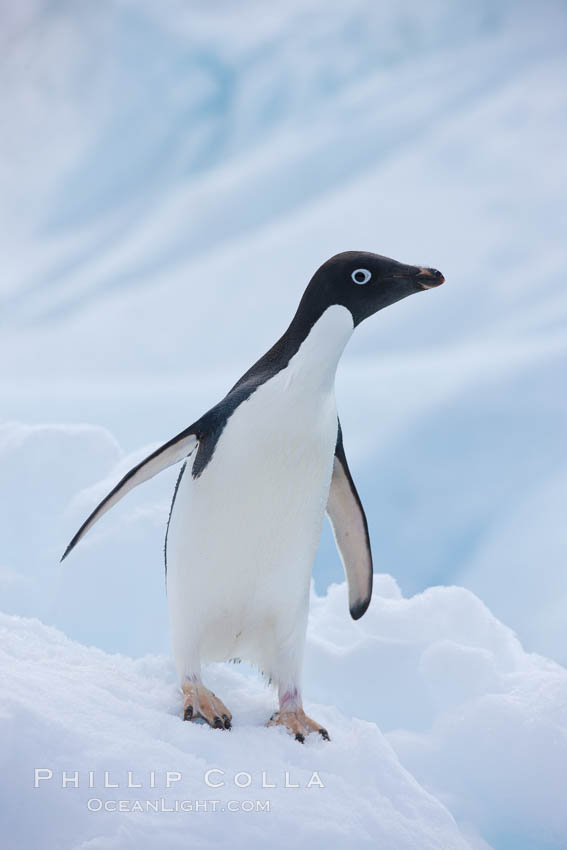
(365, 283)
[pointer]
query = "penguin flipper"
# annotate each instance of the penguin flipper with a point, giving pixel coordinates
(350, 530)
(171, 452)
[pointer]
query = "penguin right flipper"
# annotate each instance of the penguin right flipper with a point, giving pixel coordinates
(175, 450)
(350, 529)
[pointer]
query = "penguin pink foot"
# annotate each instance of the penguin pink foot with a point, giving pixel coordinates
(292, 716)
(298, 723)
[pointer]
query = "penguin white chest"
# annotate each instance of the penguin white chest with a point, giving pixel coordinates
(243, 535)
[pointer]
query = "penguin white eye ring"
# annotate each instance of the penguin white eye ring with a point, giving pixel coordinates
(361, 276)
(260, 469)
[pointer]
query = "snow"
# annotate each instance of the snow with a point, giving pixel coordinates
(480, 723)
(171, 176)
(460, 739)
(89, 711)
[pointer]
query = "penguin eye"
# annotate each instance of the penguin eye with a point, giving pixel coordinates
(361, 275)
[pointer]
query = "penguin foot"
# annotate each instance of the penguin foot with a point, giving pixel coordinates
(199, 701)
(298, 723)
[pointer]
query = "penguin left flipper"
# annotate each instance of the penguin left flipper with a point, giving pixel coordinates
(175, 450)
(350, 530)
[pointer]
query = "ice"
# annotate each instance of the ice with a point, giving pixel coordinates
(193, 173)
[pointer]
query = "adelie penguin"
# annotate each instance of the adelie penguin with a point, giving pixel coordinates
(260, 469)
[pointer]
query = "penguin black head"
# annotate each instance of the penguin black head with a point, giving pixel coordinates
(364, 283)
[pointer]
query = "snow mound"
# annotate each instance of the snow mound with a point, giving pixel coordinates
(69, 708)
(479, 722)
(462, 741)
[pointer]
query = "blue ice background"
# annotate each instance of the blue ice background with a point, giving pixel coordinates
(171, 176)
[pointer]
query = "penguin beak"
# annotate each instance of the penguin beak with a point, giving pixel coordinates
(424, 277)
(429, 278)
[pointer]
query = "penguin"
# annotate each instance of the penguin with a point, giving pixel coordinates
(260, 470)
